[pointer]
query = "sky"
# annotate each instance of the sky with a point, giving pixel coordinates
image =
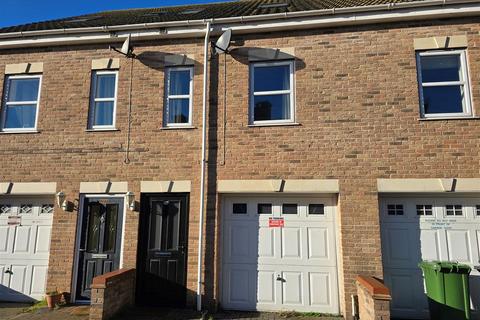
(14, 12)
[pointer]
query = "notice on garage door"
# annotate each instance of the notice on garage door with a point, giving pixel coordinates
(276, 222)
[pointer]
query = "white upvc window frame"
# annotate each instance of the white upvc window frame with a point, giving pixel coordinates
(253, 94)
(93, 100)
(6, 104)
(465, 83)
(169, 97)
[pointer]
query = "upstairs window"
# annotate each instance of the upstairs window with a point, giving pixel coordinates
(103, 101)
(271, 92)
(20, 103)
(443, 84)
(178, 96)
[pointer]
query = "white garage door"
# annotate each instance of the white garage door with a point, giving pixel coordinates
(279, 268)
(415, 229)
(25, 227)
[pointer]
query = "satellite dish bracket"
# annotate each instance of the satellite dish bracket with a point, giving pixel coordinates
(130, 53)
(223, 43)
(127, 49)
(214, 45)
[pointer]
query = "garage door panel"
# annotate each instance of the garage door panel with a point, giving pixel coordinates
(22, 239)
(291, 243)
(18, 277)
(320, 288)
(458, 244)
(4, 278)
(241, 241)
(405, 296)
(266, 287)
(239, 247)
(42, 241)
(239, 279)
(318, 243)
(239, 290)
(398, 250)
(266, 243)
(292, 288)
(4, 236)
(39, 277)
(430, 244)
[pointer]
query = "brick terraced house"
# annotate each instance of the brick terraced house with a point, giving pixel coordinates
(332, 139)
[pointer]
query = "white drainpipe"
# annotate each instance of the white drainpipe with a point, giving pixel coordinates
(203, 163)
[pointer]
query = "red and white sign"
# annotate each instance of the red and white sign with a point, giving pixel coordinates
(14, 220)
(276, 222)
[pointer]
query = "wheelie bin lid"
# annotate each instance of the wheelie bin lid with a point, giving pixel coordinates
(445, 266)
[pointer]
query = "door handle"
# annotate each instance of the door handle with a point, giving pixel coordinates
(8, 271)
(279, 278)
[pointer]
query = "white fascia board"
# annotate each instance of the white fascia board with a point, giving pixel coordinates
(244, 25)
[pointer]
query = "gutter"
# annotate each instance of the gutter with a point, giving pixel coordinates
(202, 170)
(358, 15)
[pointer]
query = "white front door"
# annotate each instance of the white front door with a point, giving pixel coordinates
(426, 228)
(293, 267)
(25, 227)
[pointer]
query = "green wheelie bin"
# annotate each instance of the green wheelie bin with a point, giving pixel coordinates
(448, 291)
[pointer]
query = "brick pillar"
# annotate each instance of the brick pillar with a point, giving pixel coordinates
(112, 293)
(373, 299)
(359, 225)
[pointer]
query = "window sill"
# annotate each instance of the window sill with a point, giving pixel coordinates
(101, 130)
(178, 128)
(274, 124)
(20, 132)
(449, 118)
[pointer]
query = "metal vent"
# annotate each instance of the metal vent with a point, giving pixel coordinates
(274, 5)
(154, 14)
(191, 11)
(83, 19)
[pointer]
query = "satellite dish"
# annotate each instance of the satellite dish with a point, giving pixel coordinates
(126, 50)
(223, 43)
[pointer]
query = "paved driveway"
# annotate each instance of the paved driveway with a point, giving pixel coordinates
(139, 313)
(15, 311)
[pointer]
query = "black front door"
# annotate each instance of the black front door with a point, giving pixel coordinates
(100, 240)
(162, 250)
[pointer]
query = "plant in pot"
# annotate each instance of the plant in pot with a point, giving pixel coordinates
(53, 299)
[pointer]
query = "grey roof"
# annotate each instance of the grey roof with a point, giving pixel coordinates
(193, 12)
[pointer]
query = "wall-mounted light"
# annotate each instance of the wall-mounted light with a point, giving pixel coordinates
(61, 202)
(130, 198)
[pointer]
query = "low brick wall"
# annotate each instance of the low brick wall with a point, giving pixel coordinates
(373, 299)
(111, 293)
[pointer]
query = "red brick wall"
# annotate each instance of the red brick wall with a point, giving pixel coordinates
(356, 103)
(358, 108)
(112, 293)
(64, 152)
